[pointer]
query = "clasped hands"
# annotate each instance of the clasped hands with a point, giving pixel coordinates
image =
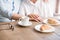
(35, 17)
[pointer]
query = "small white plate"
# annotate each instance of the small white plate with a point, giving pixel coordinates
(20, 23)
(46, 21)
(37, 27)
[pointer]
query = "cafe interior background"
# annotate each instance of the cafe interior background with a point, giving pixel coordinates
(55, 5)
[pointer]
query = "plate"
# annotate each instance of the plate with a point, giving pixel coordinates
(37, 27)
(46, 21)
(28, 24)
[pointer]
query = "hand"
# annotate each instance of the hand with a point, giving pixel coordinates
(16, 16)
(35, 17)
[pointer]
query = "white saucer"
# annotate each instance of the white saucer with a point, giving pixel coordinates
(37, 27)
(46, 21)
(20, 23)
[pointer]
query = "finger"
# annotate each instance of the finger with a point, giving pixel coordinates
(30, 16)
(35, 16)
(36, 20)
(40, 19)
(32, 19)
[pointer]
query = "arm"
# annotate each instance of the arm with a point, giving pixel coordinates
(6, 11)
(10, 15)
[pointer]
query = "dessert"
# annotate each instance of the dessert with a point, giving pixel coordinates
(45, 27)
(52, 21)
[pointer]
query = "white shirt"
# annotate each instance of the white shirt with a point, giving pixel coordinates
(39, 8)
(7, 7)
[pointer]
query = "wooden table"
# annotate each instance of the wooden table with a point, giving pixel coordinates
(27, 33)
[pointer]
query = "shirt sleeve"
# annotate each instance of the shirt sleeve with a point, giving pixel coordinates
(6, 14)
(17, 4)
(5, 10)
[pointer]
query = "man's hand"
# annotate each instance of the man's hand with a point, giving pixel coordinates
(16, 16)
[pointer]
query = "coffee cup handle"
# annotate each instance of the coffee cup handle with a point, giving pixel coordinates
(20, 19)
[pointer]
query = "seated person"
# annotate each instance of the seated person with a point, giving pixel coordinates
(35, 9)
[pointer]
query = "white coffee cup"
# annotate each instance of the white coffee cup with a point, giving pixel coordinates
(24, 20)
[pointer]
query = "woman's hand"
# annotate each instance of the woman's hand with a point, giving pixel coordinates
(35, 17)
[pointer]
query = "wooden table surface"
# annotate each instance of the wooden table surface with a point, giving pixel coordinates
(27, 33)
